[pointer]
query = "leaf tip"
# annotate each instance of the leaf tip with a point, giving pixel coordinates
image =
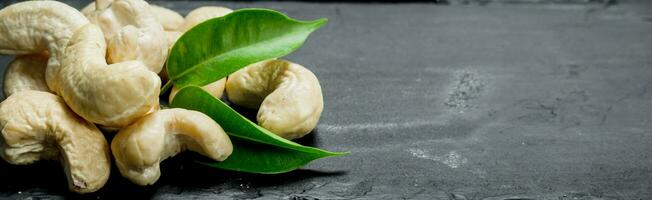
(319, 22)
(331, 153)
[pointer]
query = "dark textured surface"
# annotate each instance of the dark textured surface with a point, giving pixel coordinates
(504, 101)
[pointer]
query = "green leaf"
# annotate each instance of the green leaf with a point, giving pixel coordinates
(255, 149)
(220, 46)
(254, 157)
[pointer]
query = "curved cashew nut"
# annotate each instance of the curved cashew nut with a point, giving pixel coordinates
(289, 96)
(39, 126)
(132, 32)
(169, 19)
(36, 26)
(202, 14)
(110, 95)
(140, 147)
(26, 73)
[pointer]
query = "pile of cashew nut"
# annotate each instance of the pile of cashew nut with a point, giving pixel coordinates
(80, 76)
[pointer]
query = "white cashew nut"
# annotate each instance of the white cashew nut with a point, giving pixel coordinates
(39, 126)
(140, 147)
(169, 19)
(132, 32)
(26, 73)
(36, 26)
(215, 88)
(112, 96)
(289, 96)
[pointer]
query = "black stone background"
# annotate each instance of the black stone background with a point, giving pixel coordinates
(506, 99)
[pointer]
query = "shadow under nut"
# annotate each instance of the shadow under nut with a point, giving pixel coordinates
(140, 147)
(39, 126)
(113, 95)
(288, 96)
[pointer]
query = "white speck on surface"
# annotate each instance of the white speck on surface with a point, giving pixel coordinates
(419, 153)
(377, 126)
(452, 159)
(479, 172)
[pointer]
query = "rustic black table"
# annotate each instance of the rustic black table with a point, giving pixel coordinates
(496, 100)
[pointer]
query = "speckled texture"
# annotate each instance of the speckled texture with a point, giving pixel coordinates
(555, 98)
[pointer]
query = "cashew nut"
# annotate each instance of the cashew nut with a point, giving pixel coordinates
(289, 96)
(110, 95)
(36, 26)
(39, 126)
(26, 73)
(215, 88)
(202, 14)
(140, 147)
(169, 19)
(132, 32)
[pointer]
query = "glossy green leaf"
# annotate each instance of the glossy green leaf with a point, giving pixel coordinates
(254, 157)
(256, 150)
(220, 46)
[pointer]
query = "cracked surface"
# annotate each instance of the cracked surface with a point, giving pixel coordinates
(563, 112)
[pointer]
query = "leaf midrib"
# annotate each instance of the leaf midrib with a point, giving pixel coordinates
(277, 143)
(222, 55)
(304, 149)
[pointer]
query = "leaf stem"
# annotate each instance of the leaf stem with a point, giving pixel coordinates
(166, 87)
